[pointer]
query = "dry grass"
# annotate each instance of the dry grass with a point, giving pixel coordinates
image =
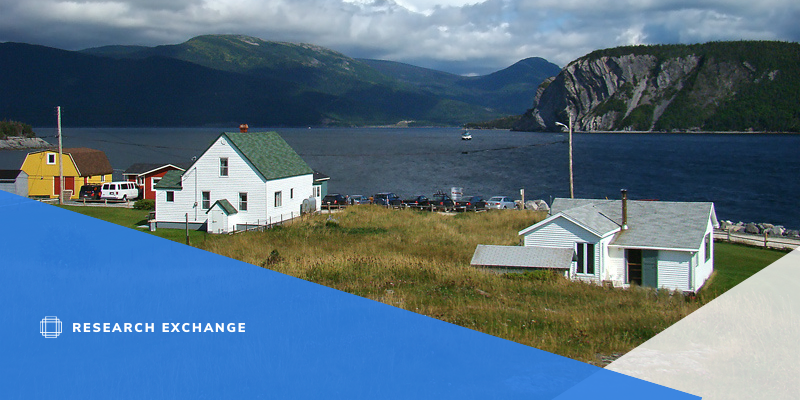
(419, 261)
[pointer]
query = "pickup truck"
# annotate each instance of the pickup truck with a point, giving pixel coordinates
(416, 202)
(442, 202)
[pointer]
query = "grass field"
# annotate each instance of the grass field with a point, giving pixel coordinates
(419, 261)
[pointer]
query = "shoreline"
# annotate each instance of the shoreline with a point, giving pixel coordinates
(22, 143)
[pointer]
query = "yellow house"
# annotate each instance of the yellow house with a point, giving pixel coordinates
(81, 166)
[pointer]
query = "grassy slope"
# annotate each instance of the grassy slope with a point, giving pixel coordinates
(419, 261)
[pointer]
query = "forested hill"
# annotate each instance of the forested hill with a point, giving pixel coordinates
(719, 86)
(225, 80)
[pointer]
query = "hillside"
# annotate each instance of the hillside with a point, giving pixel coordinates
(509, 91)
(720, 86)
(213, 80)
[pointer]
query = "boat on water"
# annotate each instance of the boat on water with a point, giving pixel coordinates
(466, 136)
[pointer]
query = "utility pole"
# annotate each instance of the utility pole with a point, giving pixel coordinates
(571, 180)
(60, 161)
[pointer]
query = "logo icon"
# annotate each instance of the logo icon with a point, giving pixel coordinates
(50, 327)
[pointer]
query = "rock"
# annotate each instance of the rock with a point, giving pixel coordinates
(531, 205)
(752, 229)
(541, 205)
(793, 233)
(776, 231)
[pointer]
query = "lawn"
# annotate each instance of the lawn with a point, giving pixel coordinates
(419, 261)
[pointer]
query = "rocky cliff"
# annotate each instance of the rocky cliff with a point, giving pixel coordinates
(716, 86)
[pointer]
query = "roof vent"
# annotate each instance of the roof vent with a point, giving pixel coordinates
(243, 128)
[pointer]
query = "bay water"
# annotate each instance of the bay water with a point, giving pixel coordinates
(749, 177)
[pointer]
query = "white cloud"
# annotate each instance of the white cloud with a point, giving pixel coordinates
(463, 35)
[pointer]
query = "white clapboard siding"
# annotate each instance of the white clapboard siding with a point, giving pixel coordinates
(559, 232)
(673, 270)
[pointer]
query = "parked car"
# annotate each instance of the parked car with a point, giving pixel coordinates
(90, 192)
(387, 198)
(471, 203)
(119, 191)
(500, 202)
(443, 202)
(357, 199)
(334, 200)
(417, 202)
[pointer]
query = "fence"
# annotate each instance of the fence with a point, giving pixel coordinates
(766, 241)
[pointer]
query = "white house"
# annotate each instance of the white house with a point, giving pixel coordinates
(648, 243)
(243, 179)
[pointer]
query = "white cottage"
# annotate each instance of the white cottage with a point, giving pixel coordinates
(243, 179)
(648, 243)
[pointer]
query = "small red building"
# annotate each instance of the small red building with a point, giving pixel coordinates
(147, 175)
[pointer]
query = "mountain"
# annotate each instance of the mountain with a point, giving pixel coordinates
(719, 86)
(509, 91)
(213, 80)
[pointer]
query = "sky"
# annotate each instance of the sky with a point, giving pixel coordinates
(460, 36)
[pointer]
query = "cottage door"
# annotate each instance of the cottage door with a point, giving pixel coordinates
(217, 223)
(650, 268)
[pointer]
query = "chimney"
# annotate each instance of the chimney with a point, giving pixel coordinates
(624, 209)
(243, 128)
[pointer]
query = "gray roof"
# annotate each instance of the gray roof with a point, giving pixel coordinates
(143, 168)
(651, 224)
(522, 257)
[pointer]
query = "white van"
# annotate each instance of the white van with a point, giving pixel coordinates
(119, 191)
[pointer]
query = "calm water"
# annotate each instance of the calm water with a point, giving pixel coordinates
(748, 177)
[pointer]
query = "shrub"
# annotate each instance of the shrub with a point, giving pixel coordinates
(144, 204)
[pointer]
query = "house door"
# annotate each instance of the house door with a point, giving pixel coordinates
(217, 221)
(634, 266)
(650, 268)
(69, 184)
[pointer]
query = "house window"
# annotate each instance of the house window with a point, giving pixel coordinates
(206, 200)
(291, 193)
(223, 166)
(102, 178)
(170, 196)
(708, 248)
(278, 199)
(242, 201)
(51, 158)
(154, 182)
(140, 180)
(585, 258)
(317, 191)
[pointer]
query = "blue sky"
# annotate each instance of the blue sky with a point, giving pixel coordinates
(459, 36)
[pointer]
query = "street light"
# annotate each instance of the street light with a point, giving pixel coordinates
(571, 183)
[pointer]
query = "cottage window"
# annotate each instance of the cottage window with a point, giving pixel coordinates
(585, 258)
(708, 248)
(223, 166)
(278, 199)
(170, 196)
(51, 158)
(242, 201)
(291, 193)
(206, 200)
(154, 182)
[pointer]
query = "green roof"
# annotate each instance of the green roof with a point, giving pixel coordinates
(170, 180)
(272, 157)
(225, 205)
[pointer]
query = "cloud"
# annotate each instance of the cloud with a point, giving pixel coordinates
(464, 36)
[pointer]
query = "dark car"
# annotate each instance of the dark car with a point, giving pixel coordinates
(334, 200)
(90, 192)
(417, 202)
(387, 198)
(471, 203)
(443, 202)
